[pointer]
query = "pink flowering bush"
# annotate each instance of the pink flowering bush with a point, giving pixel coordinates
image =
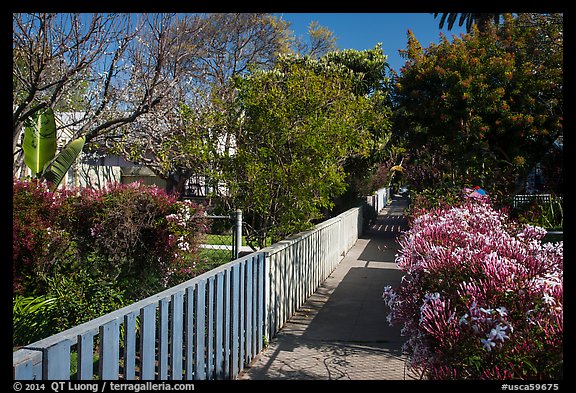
(124, 232)
(91, 251)
(481, 297)
(38, 243)
(128, 232)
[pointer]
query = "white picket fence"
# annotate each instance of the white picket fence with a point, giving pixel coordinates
(209, 327)
(379, 199)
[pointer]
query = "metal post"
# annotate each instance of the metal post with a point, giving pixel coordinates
(237, 233)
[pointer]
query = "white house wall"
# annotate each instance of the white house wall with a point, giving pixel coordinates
(96, 176)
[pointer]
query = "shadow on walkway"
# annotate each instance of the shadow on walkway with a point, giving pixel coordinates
(341, 331)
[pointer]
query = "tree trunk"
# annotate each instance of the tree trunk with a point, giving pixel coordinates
(19, 167)
(175, 184)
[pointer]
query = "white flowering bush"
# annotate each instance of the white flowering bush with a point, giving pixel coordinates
(481, 298)
(184, 227)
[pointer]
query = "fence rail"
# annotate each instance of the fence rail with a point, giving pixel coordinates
(209, 327)
(522, 199)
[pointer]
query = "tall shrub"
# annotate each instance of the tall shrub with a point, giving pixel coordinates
(38, 243)
(91, 252)
(136, 235)
(481, 297)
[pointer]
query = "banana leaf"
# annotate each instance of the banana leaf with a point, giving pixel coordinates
(39, 143)
(32, 318)
(57, 168)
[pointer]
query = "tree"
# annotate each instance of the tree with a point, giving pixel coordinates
(109, 67)
(193, 135)
(481, 20)
(488, 106)
(211, 49)
(321, 41)
(369, 73)
(296, 127)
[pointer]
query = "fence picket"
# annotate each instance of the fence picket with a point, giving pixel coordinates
(219, 327)
(109, 350)
(130, 347)
(163, 339)
(241, 315)
(25, 359)
(56, 361)
(85, 356)
(249, 327)
(200, 331)
(176, 338)
(260, 299)
(147, 342)
(227, 322)
(234, 311)
(210, 330)
(189, 328)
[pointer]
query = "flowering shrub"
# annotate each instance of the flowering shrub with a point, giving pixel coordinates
(185, 233)
(93, 251)
(131, 234)
(38, 243)
(121, 231)
(481, 297)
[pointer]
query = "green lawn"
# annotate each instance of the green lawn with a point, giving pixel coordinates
(221, 239)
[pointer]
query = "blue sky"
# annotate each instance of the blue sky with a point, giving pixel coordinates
(364, 30)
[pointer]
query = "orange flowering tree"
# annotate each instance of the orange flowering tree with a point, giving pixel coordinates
(484, 107)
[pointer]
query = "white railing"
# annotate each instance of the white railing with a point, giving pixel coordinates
(209, 327)
(379, 199)
(204, 328)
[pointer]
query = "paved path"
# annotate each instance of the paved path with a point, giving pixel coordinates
(341, 332)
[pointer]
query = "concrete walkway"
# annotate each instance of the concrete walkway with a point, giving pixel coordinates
(341, 332)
